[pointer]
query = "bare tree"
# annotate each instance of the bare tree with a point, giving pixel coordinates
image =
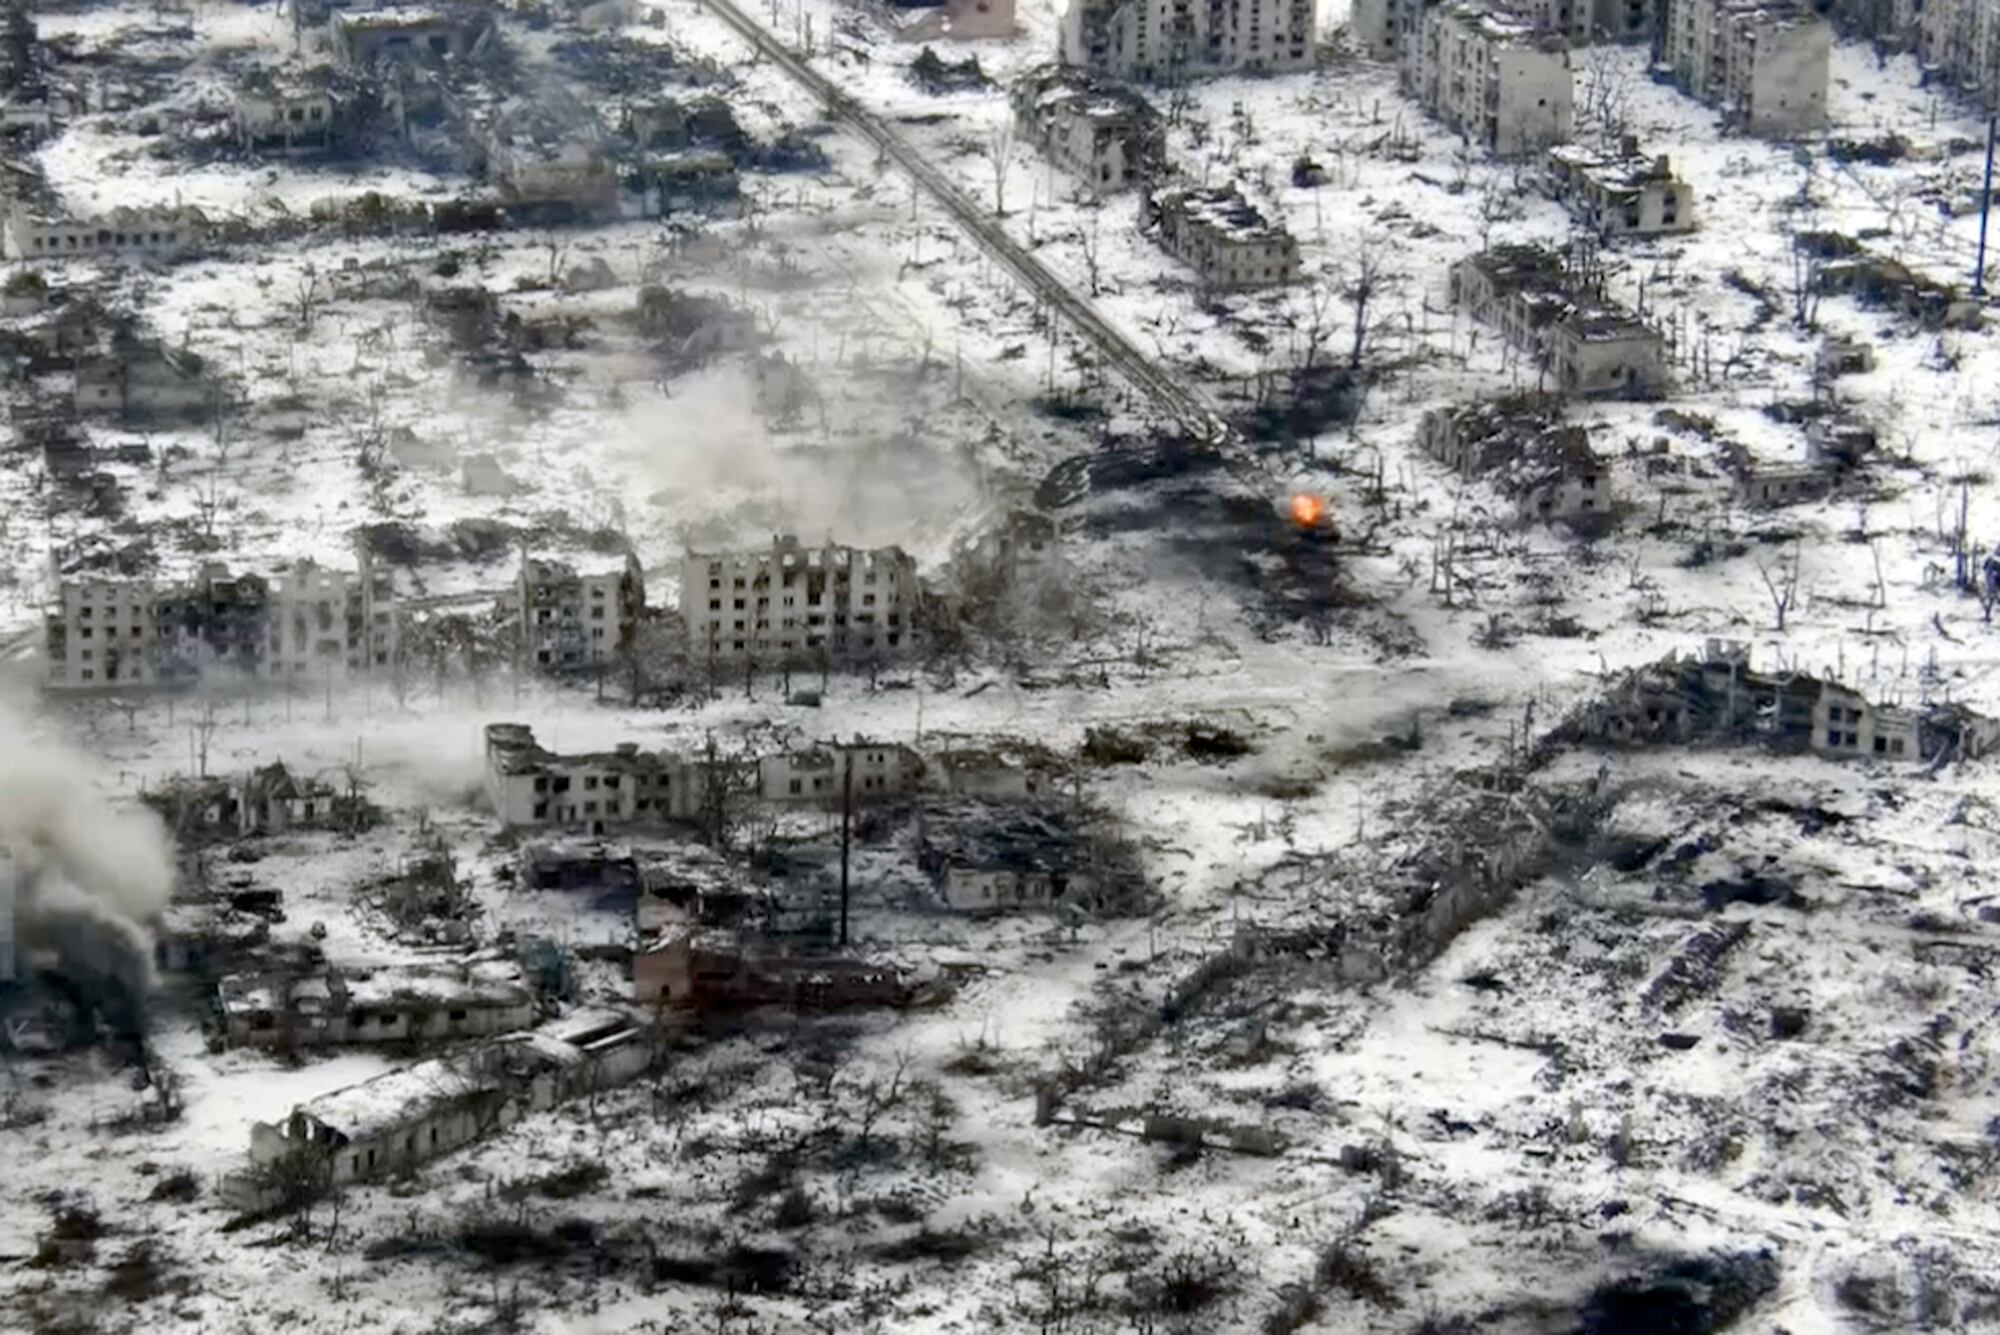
(1604, 94)
(1782, 583)
(306, 298)
(1000, 154)
(1087, 242)
(1363, 276)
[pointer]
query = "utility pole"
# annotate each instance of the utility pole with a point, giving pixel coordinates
(846, 825)
(1985, 208)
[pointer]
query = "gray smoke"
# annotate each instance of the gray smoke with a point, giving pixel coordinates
(91, 877)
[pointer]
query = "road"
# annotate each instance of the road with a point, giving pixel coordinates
(1169, 393)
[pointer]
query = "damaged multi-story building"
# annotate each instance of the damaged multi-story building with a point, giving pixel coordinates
(1175, 39)
(573, 619)
(1621, 193)
(331, 1007)
(366, 37)
(1501, 81)
(309, 623)
(1717, 695)
(292, 109)
(397, 1121)
(1559, 316)
(123, 233)
(1523, 447)
(1223, 237)
(794, 604)
(1108, 137)
(1762, 63)
(549, 153)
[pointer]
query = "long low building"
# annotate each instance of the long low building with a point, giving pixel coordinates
(409, 1116)
(1585, 344)
(410, 1004)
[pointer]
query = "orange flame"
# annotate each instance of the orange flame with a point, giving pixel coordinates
(1307, 510)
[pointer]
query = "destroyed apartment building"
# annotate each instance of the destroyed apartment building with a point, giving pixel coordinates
(333, 1007)
(1107, 136)
(392, 33)
(1621, 193)
(574, 866)
(684, 963)
(1170, 39)
(549, 154)
(1762, 63)
(799, 605)
(309, 623)
(952, 20)
(140, 382)
(1502, 82)
(1583, 343)
(1522, 446)
(529, 786)
(1229, 244)
(1717, 696)
(572, 619)
(404, 1118)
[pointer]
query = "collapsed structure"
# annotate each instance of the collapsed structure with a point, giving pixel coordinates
(1523, 446)
(1716, 695)
(307, 624)
(334, 1007)
(1107, 136)
(1561, 318)
(267, 800)
(124, 233)
(569, 619)
(1229, 244)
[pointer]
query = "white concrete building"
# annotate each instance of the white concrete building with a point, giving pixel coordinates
(288, 110)
(1230, 244)
(405, 1004)
(1619, 194)
(124, 233)
(1170, 39)
(573, 619)
(530, 787)
(1525, 450)
(1388, 29)
(796, 604)
(1583, 344)
(818, 774)
(103, 634)
(336, 624)
(1107, 137)
(1502, 82)
(1958, 43)
(1762, 63)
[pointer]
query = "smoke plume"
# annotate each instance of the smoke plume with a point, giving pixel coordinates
(90, 876)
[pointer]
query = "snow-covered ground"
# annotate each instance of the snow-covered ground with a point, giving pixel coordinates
(1478, 1146)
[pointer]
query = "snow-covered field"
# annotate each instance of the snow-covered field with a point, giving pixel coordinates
(1781, 1100)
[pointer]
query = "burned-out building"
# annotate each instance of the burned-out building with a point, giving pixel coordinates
(530, 786)
(267, 800)
(573, 619)
(550, 151)
(1168, 39)
(1525, 449)
(141, 382)
(122, 233)
(830, 772)
(1224, 238)
(406, 1117)
(1501, 81)
(718, 969)
(577, 866)
(1584, 344)
(694, 326)
(993, 857)
(1622, 193)
(1718, 696)
(1107, 136)
(307, 623)
(791, 603)
(333, 1007)
(365, 37)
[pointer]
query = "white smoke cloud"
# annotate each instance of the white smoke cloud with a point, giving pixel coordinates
(91, 876)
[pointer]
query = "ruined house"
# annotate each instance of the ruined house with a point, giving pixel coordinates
(1561, 318)
(1718, 696)
(573, 620)
(993, 857)
(1622, 193)
(407, 1117)
(712, 970)
(337, 1007)
(574, 866)
(123, 233)
(393, 33)
(818, 775)
(139, 382)
(1229, 244)
(1524, 448)
(549, 152)
(292, 109)
(791, 603)
(694, 326)
(1107, 136)
(529, 786)
(953, 20)
(1888, 284)
(993, 769)
(267, 800)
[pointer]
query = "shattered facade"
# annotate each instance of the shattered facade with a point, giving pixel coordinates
(337, 1007)
(1107, 136)
(162, 233)
(1525, 448)
(1501, 81)
(1619, 194)
(796, 604)
(572, 620)
(1171, 39)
